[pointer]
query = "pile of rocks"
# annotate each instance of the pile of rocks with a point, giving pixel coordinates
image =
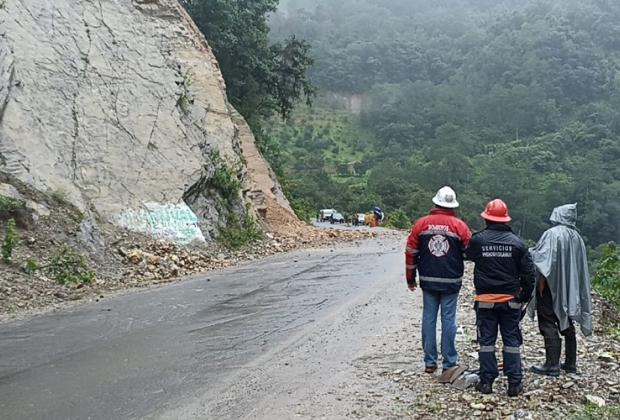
(134, 261)
(597, 384)
(158, 261)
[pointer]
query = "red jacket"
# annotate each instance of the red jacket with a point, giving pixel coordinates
(435, 250)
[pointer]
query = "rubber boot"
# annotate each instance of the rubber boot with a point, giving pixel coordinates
(514, 390)
(551, 367)
(570, 364)
(484, 387)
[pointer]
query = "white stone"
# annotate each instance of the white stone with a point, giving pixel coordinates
(38, 209)
(594, 400)
(606, 357)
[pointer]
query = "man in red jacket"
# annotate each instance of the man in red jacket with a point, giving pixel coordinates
(435, 250)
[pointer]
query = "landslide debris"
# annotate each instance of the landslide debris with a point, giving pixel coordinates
(119, 259)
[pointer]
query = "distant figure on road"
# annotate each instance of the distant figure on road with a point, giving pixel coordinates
(379, 215)
(563, 290)
(435, 250)
(504, 280)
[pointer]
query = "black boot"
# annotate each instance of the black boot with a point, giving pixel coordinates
(484, 387)
(570, 364)
(514, 390)
(553, 348)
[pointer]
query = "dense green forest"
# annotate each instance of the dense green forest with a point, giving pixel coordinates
(519, 100)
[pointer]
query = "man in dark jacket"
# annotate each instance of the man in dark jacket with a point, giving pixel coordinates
(435, 250)
(504, 280)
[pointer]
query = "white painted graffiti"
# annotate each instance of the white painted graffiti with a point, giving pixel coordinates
(176, 222)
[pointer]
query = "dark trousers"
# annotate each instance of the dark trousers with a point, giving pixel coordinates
(548, 322)
(506, 317)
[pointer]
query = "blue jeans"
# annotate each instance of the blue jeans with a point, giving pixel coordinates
(432, 302)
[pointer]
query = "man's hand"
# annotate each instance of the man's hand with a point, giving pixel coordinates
(412, 285)
(541, 285)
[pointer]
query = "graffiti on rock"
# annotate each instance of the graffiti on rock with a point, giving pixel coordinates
(176, 222)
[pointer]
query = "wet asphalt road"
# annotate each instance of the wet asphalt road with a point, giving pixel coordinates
(154, 353)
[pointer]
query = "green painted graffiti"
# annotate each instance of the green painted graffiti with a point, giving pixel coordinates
(175, 222)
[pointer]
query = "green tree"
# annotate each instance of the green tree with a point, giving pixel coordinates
(261, 78)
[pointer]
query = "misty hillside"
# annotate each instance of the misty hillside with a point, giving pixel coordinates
(498, 98)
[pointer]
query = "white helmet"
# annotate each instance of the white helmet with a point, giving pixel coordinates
(446, 197)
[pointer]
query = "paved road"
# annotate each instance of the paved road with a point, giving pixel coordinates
(255, 341)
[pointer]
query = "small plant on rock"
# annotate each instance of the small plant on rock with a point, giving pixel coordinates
(224, 180)
(69, 267)
(8, 205)
(10, 241)
(239, 233)
(31, 266)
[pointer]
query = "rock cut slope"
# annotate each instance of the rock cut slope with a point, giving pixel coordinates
(120, 107)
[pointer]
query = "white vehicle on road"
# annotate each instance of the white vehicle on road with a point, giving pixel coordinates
(325, 215)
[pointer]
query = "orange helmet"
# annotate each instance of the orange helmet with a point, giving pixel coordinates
(496, 211)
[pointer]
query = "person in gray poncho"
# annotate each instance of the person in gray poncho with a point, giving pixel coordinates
(562, 291)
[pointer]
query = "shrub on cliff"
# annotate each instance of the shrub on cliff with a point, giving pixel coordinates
(10, 241)
(68, 267)
(239, 233)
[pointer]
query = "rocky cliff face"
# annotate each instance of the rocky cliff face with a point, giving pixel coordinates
(119, 106)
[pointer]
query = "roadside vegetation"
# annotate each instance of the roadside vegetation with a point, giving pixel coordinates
(225, 181)
(606, 279)
(398, 219)
(239, 233)
(10, 240)
(9, 205)
(68, 268)
(240, 229)
(592, 412)
(65, 266)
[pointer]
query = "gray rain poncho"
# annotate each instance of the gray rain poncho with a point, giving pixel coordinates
(560, 256)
